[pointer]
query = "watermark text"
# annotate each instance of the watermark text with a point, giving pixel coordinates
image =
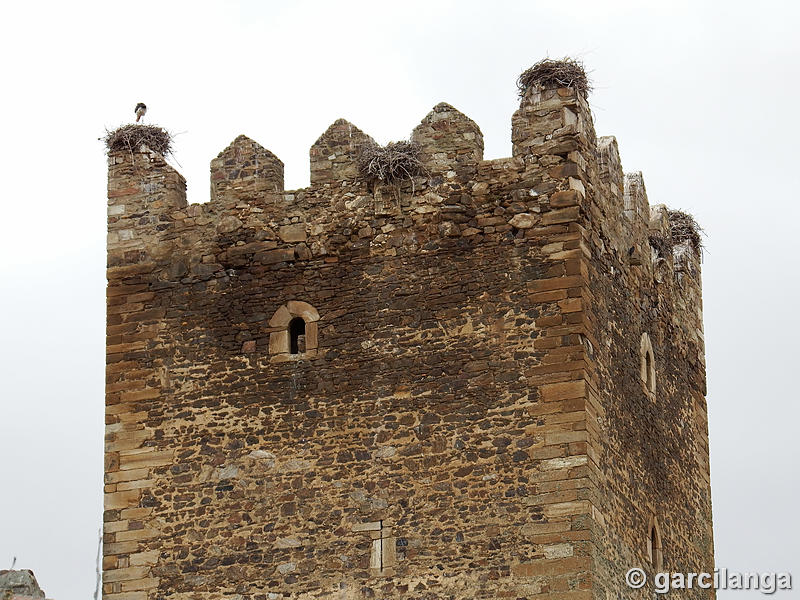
(720, 579)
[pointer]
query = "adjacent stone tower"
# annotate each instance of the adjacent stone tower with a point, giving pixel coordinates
(484, 381)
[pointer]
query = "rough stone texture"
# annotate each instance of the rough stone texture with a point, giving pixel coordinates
(449, 142)
(245, 171)
(471, 421)
(334, 155)
(19, 585)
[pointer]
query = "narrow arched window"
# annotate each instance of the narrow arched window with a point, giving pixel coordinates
(297, 335)
(294, 332)
(654, 551)
(647, 365)
(653, 544)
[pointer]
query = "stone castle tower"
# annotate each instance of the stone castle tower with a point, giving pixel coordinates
(483, 381)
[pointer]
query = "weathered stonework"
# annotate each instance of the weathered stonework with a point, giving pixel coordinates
(462, 410)
(19, 585)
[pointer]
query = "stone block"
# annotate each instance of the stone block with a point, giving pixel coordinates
(292, 233)
(123, 499)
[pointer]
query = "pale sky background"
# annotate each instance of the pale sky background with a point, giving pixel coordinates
(702, 97)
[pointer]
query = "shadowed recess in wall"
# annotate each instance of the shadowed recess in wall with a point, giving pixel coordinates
(660, 244)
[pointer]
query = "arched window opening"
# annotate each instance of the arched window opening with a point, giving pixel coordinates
(297, 335)
(653, 544)
(647, 365)
(654, 552)
(294, 332)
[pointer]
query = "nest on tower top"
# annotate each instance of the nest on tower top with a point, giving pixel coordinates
(566, 72)
(129, 138)
(393, 163)
(684, 228)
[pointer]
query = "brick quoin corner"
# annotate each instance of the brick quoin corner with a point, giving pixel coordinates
(480, 382)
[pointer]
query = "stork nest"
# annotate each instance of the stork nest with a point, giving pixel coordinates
(684, 228)
(566, 72)
(393, 163)
(129, 138)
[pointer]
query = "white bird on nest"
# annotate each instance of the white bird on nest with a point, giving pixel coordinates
(140, 110)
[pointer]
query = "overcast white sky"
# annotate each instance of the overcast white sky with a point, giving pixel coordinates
(701, 96)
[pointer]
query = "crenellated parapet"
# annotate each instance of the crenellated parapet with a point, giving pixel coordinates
(559, 173)
(562, 196)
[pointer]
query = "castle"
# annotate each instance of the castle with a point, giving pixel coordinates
(483, 380)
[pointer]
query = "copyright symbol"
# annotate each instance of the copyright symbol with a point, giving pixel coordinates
(635, 578)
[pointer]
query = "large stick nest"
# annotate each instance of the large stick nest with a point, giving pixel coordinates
(129, 138)
(566, 72)
(684, 228)
(393, 163)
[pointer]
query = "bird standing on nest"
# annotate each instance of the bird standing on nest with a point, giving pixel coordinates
(140, 110)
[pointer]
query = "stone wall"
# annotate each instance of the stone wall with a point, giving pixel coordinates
(461, 416)
(19, 584)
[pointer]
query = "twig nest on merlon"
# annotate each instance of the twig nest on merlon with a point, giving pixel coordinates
(684, 227)
(129, 138)
(393, 163)
(566, 72)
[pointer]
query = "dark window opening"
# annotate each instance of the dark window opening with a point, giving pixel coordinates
(380, 548)
(297, 335)
(655, 548)
(653, 545)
